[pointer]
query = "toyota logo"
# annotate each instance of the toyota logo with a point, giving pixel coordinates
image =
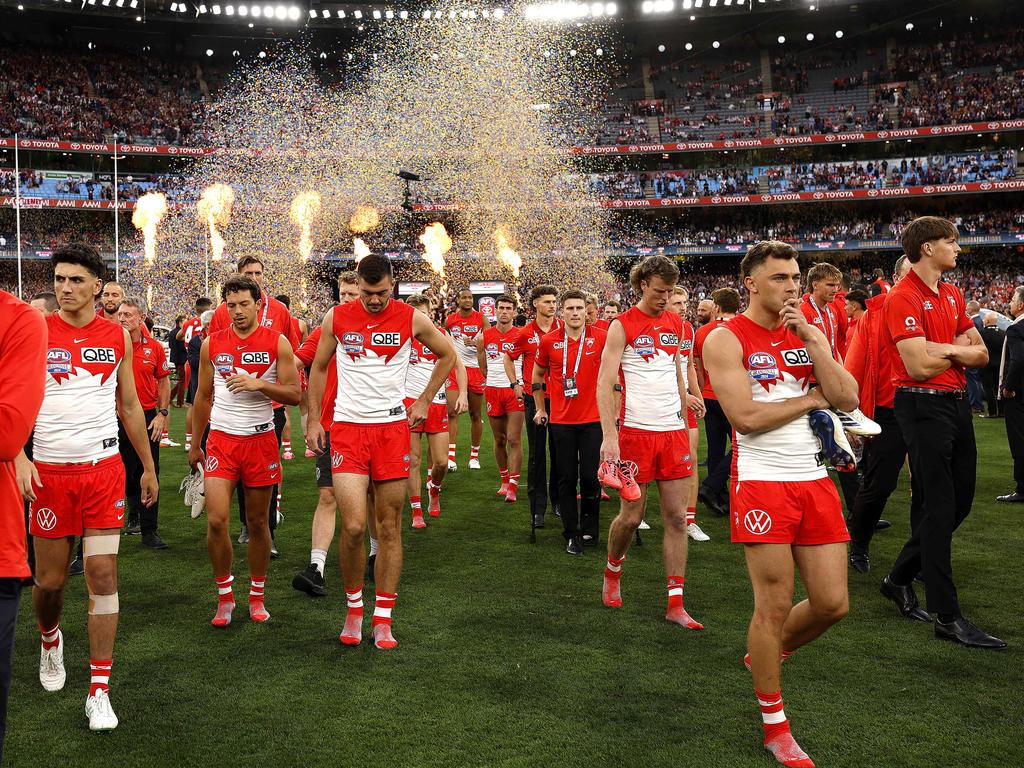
(986, 185)
(46, 518)
(766, 198)
(993, 126)
(830, 137)
(212, 462)
(883, 134)
(716, 199)
(872, 193)
(818, 195)
(927, 190)
(75, 145)
(757, 521)
(727, 144)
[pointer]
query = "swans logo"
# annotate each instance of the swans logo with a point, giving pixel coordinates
(757, 521)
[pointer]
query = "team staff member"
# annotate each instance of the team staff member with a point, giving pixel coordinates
(1011, 390)
(569, 359)
(190, 328)
(464, 326)
(504, 409)
(869, 360)
(274, 315)
(540, 486)
(713, 492)
(823, 283)
(22, 371)
(784, 508)
(149, 366)
(110, 300)
(935, 341)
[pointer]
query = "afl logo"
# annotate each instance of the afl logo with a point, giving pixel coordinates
(644, 344)
(757, 521)
(46, 518)
(224, 360)
(212, 463)
(352, 343)
(762, 360)
(58, 360)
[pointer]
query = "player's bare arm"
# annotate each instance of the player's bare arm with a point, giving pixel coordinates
(968, 350)
(134, 420)
(723, 356)
(607, 378)
(835, 382)
(694, 399)
(513, 380)
(163, 402)
(325, 351)
(432, 338)
(481, 355)
(461, 382)
(201, 405)
(26, 475)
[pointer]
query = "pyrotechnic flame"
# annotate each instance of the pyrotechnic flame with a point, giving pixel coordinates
(506, 255)
(149, 210)
(305, 208)
(360, 249)
(364, 219)
(149, 297)
(436, 243)
(214, 208)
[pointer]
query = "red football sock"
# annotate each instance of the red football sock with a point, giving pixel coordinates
(772, 714)
(382, 636)
(691, 515)
(257, 610)
(610, 593)
(100, 669)
(513, 480)
(417, 505)
(50, 636)
(353, 632)
(451, 451)
(675, 592)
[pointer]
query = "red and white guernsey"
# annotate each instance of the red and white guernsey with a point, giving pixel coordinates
(373, 360)
(463, 331)
(650, 397)
(242, 413)
(78, 420)
(780, 368)
(421, 368)
(496, 346)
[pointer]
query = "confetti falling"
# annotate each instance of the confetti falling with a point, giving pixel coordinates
(365, 218)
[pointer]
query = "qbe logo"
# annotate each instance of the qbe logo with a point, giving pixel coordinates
(99, 355)
(796, 357)
(668, 340)
(255, 358)
(46, 518)
(757, 521)
(386, 339)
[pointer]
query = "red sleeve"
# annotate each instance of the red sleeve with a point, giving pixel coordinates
(161, 369)
(964, 323)
(22, 376)
(904, 317)
(805, 307)
(544, 350)
(517, 347)
(220, 319)
(307, 351)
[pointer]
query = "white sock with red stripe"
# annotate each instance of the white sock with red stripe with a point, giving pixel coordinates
(166, 435)
(50, 637)
(286, 445)
(352, 634)
(257, 610)
(100, 671)
(474, 452)
(188, 438)
(382, 636)
(451, 451)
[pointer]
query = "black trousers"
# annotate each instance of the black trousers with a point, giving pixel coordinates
(579, 453)
(717, 430)
(943, 465)
(539, 484)
(1014, 409)
(990, 381)
(147, 516)
(10, 595)
(883, 460)
(279, 417)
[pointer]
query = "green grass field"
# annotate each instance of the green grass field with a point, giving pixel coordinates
(508, 658)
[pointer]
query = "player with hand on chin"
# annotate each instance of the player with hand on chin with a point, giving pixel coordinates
(784, 508)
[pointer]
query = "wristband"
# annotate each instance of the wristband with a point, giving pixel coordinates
(162, 411)
(537, 388)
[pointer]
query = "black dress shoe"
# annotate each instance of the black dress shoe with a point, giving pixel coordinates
(1012, 498)
(906, 600)
(881, 525)
(371, 563)
(310, 581)
(538, 521)
(575, 546)
(859, 559)
(710, 502)
(274, 553)
(152, 540)
(962, 631)
(556, 510)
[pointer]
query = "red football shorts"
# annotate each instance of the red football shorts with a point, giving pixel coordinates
(691, 419)
(657, 455)
(378, 450)
(804, 512)
(251, 460)
(437, 418)
(78, 496)
(502, 401)
(476, 380)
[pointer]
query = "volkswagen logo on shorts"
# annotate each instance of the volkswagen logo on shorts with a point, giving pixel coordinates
(212, 463)
(336, 459)
(46, 518)
(757, 521)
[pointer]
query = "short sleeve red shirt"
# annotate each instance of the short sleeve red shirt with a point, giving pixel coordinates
(149, 364)
(698, 347)
(526, 345)
(913, 310)
(551, 353)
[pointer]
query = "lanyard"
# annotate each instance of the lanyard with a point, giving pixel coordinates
(821, 319)
(579, 352)
(266, 306)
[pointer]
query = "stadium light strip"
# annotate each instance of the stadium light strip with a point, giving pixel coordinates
(570, 11)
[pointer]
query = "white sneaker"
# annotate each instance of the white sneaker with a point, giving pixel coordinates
(168, 443)
(51, 665)
(644, 526)
(188, 447)
(101, 714)
(856, 423)
(694, 532)
(452, 466)
(189, 486)
(474, 463)
(198, 493)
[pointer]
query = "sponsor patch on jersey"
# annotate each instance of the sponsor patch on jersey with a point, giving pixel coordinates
(255, 358)
(119, 504)
(643, 345)
(414, 356)
(492, 351)
(687, 345)
(763, 366)
(105, 355)
(352, 343)
(272, 467)
(668, 340)
(796, 356)
(58, 360)
(224, 363)
(386, 339)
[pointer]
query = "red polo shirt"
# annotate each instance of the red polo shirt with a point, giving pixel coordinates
(698, 347)
(913, 310)
(526, 345)
(149, 363)
(581, 409)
